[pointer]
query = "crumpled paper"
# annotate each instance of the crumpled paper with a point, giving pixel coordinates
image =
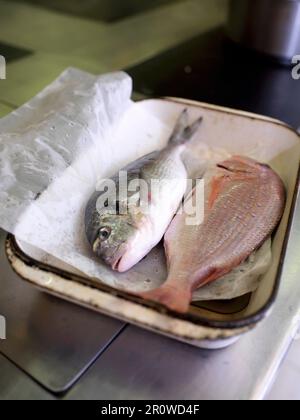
(55, 148)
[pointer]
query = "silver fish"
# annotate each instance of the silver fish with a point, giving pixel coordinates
(121, 229)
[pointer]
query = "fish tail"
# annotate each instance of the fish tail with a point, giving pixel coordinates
(175, 299)
(183, 132)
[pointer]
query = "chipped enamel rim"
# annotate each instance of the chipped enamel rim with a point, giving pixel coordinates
(150, 315)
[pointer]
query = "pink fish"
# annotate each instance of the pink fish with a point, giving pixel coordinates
(244, 203)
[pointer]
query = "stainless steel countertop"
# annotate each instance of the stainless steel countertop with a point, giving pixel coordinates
(15, 384)
(53, 341)
(103, 359)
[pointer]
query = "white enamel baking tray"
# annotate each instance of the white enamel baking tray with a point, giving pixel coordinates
(209, 325)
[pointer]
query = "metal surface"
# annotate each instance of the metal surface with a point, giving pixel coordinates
(268, 26)
(211, 69)
(16, 385)
(53, 341)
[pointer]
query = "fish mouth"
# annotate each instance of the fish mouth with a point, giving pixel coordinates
(113, 260)
(118, 257)
(116, 263)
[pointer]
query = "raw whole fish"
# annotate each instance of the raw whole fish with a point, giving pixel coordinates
(244, 202)
(122, 229)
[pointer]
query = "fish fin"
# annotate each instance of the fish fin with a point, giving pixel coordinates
(240, 164)
(175, 299)
(206, 275)
(183, 132)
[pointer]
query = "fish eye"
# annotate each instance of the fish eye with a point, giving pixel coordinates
(104, 233)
